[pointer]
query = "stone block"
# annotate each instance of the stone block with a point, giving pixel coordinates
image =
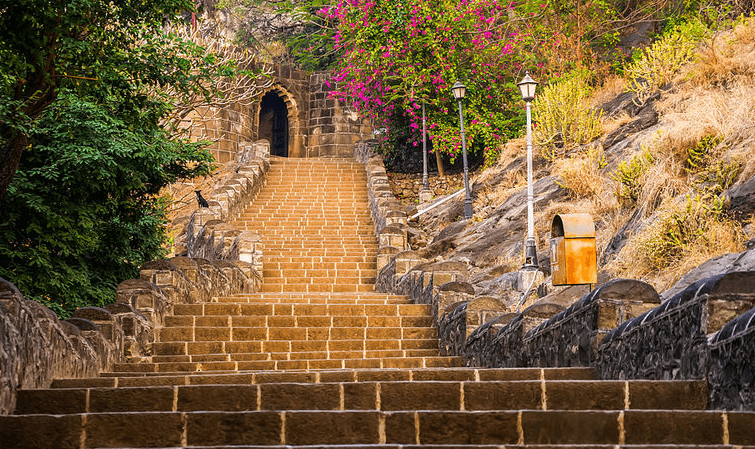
(120, 430)
(423, 395)
(570, 427)
(233, 428)
(456, 428)
(322, 428)
(502, 396)
(675, 427)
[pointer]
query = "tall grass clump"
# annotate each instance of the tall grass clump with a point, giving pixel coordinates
(684, 236)
(563, 115)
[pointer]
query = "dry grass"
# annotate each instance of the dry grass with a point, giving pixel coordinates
(581, 174)
(662, 253)
(612, 86)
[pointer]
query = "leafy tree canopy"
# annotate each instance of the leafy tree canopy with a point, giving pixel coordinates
(87, 92)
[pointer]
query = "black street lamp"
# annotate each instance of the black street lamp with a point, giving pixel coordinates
(459, 90)
(425, 194)
(527, 88)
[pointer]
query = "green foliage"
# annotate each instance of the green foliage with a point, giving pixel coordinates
(699, 155)
(719, 176)
(563, 115)
(656, 65)
(83, 212)
(87, 89)
(629, 176)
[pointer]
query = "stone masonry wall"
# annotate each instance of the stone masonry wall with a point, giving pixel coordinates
(36, 347)
(334, 127)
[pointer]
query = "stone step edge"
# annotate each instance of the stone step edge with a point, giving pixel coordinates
(374, 395)
(360, 374)
(355, 363)
(172, 429)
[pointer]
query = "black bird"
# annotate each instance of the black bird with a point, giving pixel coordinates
(200, 199)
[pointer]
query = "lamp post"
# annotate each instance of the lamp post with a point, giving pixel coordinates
(425, 194)
(459, 90)
(527, 87)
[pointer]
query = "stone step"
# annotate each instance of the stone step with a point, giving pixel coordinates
(307, 364)
(385, 396)
(319, 273)
(311, 355)
(277, 288)
(365, 427)
(458, 374)
(111, 379)
(303, 309)
(351, 262)
(286, 280)
(312, 298)
(186, 334)
(282, 346)
(298, 321)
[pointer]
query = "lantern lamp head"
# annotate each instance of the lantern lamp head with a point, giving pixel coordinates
(459, 90)
(527, 87)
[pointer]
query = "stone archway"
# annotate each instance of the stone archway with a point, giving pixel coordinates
(276, 118)
(273, 123)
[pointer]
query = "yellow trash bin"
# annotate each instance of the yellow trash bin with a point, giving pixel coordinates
(574, 259)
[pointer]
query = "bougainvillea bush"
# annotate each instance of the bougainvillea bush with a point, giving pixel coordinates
(399, 53)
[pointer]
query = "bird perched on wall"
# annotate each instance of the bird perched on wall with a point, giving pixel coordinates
(200, 199)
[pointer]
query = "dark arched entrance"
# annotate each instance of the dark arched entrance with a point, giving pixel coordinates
(274, 123)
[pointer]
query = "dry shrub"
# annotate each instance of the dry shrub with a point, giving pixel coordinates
(612, 87)
(581, 173)
(611, 124)
(744, 31)
(686, 234)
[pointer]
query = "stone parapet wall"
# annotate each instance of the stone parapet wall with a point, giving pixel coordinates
(36, 347)
(731, 383)
(621, 328)
(692, 336)
(206, 232)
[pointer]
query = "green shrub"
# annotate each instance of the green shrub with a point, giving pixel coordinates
(683, 228)
(656, 65)
(83, 212)
(629, 176)
(563, 115)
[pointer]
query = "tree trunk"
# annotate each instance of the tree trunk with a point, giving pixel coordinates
(10, 156)
(439, 161)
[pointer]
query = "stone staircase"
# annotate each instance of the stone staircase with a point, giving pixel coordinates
(319, 359)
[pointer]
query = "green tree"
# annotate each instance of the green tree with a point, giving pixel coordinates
(89, 95)
(96, 48)
(84, 211)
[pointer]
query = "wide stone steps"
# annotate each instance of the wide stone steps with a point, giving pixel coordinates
(238, 333)
(304, 364)
(385, 396)
(303, 298)
(193, 426)
(294, 366)
(456, 374)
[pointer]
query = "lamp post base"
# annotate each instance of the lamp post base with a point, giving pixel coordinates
(468, 212)
(530, 255)
(425, 195)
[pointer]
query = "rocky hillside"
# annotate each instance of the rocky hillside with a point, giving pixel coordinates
(670, 182)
